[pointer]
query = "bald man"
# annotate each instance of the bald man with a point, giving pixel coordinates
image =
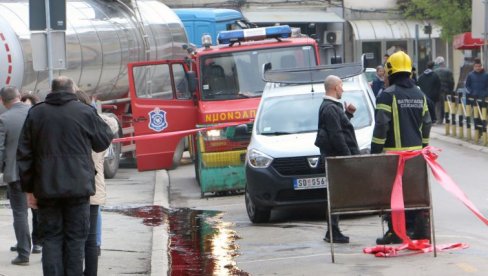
(335, 136)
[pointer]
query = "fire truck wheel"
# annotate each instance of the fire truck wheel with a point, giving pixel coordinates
(180, 148)
(255, 213)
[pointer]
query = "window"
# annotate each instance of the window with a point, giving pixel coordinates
(181, 82)
(153, 82)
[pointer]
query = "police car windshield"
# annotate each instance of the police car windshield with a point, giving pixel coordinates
(299, 113)
(237, 75)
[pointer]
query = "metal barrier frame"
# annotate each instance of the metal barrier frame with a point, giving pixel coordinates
(362, 185)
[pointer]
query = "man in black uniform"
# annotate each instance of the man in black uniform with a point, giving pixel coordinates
(335, 137)
(402, 122)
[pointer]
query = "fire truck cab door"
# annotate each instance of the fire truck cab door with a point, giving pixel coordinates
(161, 102)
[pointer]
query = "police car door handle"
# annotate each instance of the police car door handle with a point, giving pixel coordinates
(140, 119)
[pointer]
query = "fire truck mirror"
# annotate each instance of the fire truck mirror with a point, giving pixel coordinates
(192, 81)
(241, 131)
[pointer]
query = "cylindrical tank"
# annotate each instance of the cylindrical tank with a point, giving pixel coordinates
(101, 38)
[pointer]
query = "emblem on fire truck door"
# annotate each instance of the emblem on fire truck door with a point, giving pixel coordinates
(157, 120)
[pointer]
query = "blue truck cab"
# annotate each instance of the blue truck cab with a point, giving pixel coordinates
(199, 21)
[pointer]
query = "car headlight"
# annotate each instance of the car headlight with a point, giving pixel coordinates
(258, 159)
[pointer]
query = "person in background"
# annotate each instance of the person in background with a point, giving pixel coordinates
(11, 122)
(430, 84)
(477, 86)
(402, 122)
(92, 246)
(447, 86)
(36, 234)
(57, 172)
(385, 58)
(379, 80)
(335, 137)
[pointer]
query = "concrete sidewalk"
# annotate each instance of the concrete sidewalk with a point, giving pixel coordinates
(127, 244)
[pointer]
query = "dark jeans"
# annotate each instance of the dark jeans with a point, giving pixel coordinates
(18, 203)
(91, 252)
(36, 228)
(65, 223)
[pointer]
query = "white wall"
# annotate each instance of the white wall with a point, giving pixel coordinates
(371, 4)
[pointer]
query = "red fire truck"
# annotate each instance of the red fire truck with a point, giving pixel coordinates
(213, 85)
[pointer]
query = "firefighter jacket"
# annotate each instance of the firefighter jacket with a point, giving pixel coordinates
(402, 120)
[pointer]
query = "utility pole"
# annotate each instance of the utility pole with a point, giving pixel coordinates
(49, 43)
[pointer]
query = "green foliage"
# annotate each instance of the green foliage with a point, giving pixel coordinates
(454, 16)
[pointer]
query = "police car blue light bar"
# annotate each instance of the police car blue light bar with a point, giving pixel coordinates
(228, 37)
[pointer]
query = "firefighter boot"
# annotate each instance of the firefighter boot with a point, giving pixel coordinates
(337, 236)
(422, 226)
(389, 237)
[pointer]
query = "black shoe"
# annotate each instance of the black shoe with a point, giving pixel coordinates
(36, 249)
(13, 248)
(389, 238)
(20, 261)
(337, 237)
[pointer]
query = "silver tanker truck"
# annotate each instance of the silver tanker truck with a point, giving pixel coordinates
(102, 37)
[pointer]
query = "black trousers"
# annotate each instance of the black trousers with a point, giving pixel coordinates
(36, 228)
(91, 252)
(65, 224)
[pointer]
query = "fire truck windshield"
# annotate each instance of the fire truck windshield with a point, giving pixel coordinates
(237, 75)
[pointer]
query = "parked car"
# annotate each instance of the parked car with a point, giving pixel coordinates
(283, 167)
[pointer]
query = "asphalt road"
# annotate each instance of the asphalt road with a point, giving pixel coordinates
(291, 244)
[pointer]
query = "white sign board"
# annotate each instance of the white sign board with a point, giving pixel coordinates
(39, 50)
(477, 18)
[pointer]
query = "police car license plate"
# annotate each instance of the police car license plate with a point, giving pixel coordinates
(309, 183)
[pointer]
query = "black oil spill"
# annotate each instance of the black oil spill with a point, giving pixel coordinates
(200, 242)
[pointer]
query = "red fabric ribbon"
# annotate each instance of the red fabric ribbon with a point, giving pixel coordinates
(430, 154)
(175, 133)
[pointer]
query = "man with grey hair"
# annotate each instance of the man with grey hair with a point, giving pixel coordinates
(335, 137)
(447, 86)
(11, 123)
(57, 172)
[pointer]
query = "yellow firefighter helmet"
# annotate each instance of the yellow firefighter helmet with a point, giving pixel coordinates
(398, 62)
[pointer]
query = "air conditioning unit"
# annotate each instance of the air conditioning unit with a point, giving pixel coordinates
(333, 37)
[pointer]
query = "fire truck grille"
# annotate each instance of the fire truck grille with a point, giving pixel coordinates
(297, 166)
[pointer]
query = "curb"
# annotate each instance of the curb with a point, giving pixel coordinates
(159, 258)
(437, 133)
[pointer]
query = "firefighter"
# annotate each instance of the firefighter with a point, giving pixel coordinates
(402, 122)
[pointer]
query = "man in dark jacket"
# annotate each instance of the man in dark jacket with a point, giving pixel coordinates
(477, 81)
(477, 86)
(335, 137)
(447, 86)
(430, 84)
(57, 172)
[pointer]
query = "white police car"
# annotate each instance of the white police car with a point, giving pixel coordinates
(283, 167)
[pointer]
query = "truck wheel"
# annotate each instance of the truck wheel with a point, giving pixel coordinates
(112, 158)
(180, 148)
(255, 213)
